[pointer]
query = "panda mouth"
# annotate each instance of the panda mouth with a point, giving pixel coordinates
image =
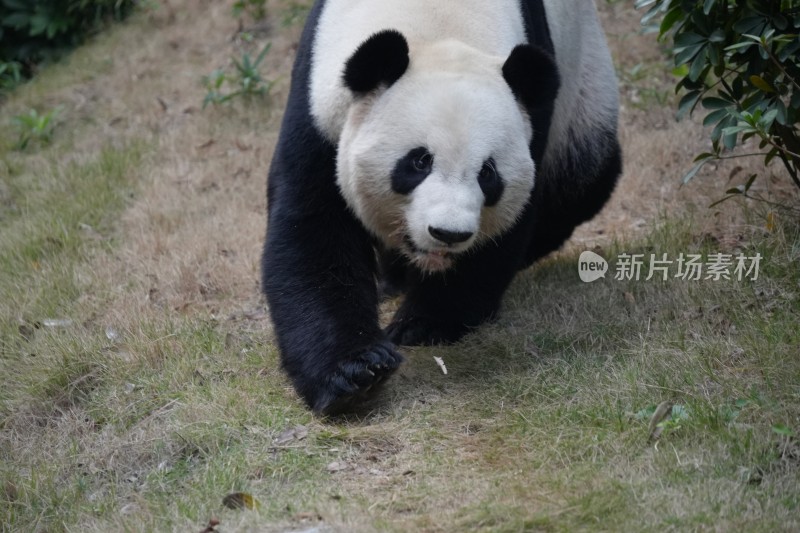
(427, 260)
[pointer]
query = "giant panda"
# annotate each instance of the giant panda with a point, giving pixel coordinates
(433, 149)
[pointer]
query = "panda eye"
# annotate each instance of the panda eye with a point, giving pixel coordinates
(423, 162)
(488, 172)
(491, 183)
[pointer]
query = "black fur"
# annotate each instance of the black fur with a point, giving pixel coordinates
(562, 205)
(380, 60)
(532, 75)
(407, 173)
(319, 264)
(491, 183)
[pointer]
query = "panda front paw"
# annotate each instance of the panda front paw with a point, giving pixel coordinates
(420, 331)
(356, 380)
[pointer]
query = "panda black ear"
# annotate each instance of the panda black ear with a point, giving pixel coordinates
(381, 59)
(532, 75)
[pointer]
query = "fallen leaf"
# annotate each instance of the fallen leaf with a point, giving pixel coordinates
(440, 362)
(295, 433)
(10, 490)
(306, 517)
(26, 332)
(214, 522)
(629, 298)
(240, 500)
(770, 221)
(655, 428)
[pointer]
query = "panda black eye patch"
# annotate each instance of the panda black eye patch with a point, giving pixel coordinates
(411, 170)
(491, 183)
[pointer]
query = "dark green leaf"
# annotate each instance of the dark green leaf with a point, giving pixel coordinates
(734, 130)
(782, 114)
(712, 102)
(714, 117)
(748, 24)
(674, 15)
(714, 56)
(694, 170)
(699, 65)
(704, 156)
(729, 139)
(750, 181)
(687, 53)
(780, 22)
(770, 156)
(768, 118)
(687, 103)
(688, 39)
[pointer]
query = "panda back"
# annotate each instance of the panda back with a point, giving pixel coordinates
(586, 110)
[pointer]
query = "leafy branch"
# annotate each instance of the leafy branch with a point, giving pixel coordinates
(739, 62)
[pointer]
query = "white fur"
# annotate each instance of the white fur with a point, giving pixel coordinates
(454, 101)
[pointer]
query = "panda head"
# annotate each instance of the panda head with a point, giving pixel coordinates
(434, 156)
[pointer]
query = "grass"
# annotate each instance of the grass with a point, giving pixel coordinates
(141, 379)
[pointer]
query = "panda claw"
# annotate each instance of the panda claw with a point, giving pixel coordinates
(357, 380)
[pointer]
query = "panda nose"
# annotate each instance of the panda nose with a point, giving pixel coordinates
(449, 237)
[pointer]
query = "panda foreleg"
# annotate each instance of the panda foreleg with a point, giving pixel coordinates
(319, 279)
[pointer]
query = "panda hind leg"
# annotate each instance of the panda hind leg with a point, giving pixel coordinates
(392, 274)
(442, 308)
(408, 329)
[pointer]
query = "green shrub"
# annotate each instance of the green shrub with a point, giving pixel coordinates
(32, 31)
(738, 59)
